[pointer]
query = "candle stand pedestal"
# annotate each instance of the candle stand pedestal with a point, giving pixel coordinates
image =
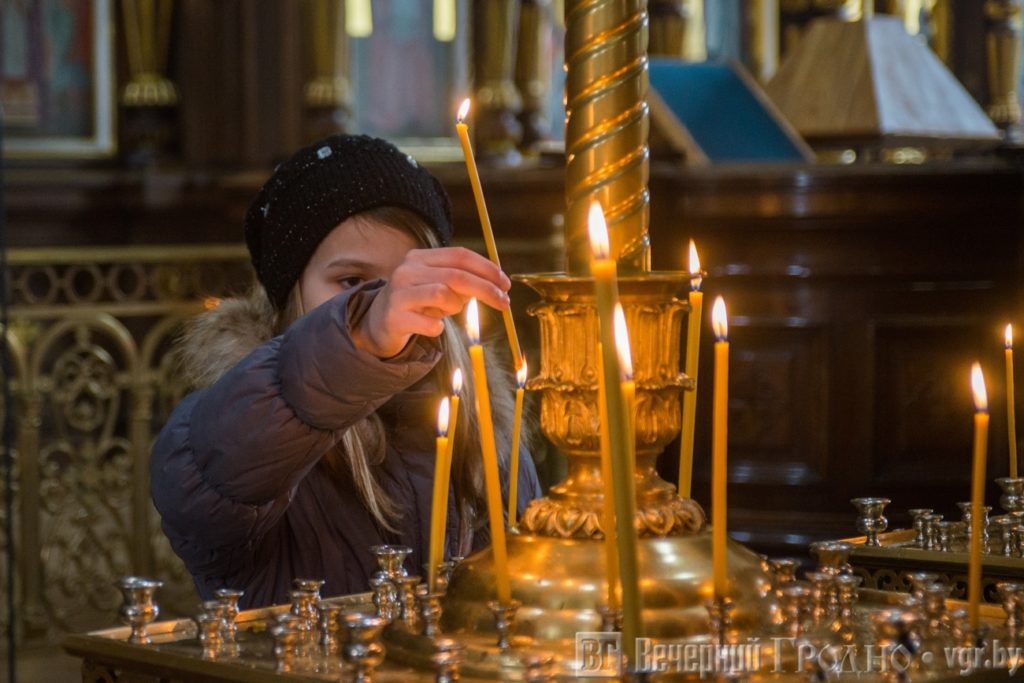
(557, 554)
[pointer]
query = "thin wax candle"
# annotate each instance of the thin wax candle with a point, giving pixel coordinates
(977, 494)
(517, 419)
(692, 357)
(611, 553)
(453, 422)
(485, 223)
(719, 450)
(490, 455)
(603, 269)
(1011, 421)
(439, 501)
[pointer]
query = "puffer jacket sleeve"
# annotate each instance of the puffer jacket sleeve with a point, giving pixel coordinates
(225, 465)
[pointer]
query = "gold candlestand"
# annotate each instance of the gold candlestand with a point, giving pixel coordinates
(556, 558)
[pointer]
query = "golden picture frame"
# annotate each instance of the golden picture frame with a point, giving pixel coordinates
(57, 84)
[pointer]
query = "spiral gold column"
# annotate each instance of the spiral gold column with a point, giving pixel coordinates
(607, 127)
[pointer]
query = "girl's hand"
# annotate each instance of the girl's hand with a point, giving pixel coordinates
(427, 286)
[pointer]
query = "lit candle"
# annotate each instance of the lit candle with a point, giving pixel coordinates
(602, 268)
(719, 448)
(1011, 421)
(628, 383)
(439, 502)
(611, 554)
(490, 455)
(977, 493)
(517, 419)
(485, 223)
(453, 423)
(692, 357)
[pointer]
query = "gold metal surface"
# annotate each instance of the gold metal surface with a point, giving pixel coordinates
(532, 70)
(92, 384)
(886, 566)
(567, 380)
(147, 31)
(496, 99)
(938, 26)
(1002, 43)
(328, 47)
(607, 156)
(669, 20)
(556, 560)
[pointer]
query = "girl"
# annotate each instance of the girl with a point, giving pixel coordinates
(311, 437)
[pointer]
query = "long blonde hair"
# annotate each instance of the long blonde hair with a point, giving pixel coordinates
(363, 445)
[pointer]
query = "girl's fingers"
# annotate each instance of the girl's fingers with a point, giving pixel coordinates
(461, 258)
(450, 288)
(413, 322)
(434, 296)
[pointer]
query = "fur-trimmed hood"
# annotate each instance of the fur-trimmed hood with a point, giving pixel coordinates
(215, 341)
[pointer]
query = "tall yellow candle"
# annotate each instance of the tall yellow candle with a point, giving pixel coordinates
(1011, 420)
(490, 455)
(692, 358)
(453, 422)
(719, 450)
(513, 470)
(439, 501)
(603, 270)
(611, 554)
(977, 493)
(628, 383)
(485, 223)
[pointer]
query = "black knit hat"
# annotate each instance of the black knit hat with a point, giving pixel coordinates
(321, 186)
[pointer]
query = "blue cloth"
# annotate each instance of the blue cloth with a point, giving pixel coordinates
(724, 117)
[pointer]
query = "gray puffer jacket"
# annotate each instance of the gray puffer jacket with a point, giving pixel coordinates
(236, 473)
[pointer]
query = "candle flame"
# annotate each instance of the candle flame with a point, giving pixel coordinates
(463, 111)
(442, 417)
(473, 321)
(622, 342)
(1009, 336)
(695, 282)
(978, 385)
(457, 381)
(521, 375)
(719, 320)
(598, 232)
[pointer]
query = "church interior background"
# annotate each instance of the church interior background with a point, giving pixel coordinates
(867, 260)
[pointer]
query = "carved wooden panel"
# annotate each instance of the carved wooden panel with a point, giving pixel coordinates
(777, 410)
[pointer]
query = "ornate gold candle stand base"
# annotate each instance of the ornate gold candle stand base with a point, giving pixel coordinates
(557, 554)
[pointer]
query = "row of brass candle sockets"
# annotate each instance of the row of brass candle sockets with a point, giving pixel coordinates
(932, 532)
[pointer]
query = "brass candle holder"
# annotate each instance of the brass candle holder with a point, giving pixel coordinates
(556, 560)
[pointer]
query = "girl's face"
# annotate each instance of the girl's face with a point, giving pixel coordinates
(359, 249)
